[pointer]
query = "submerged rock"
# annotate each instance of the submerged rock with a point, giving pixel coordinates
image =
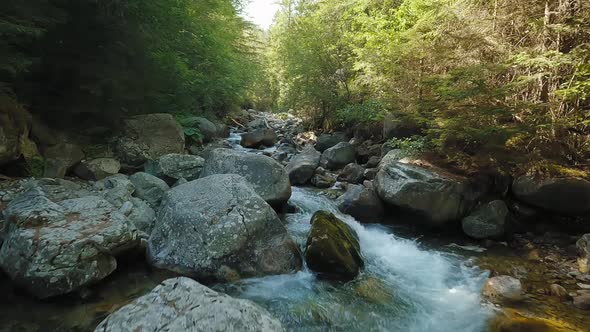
(503, 289)
(439, 197)
(97, 169)
(512, 321)
(302, 167)
(173, 167)
(149, 188)
(332, 248)
(488, 221)
(55, 248)
(361, 203)
(268, 178)
(182, 304)
(148, 137)
(338, 156)
(256, 138)
(568, 195)
(217, 227)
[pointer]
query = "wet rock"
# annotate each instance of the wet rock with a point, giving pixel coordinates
(97, 169)
(332, 247)
(583, 246)
(372, 290)
(173, 167)
(149, 188)
(148, 137)
(326, 141)
(487, 221)
(501, 289)
(52, 249)
(512, 321)
(569, 195)
(182, 304)
(217, 224)
(438, 197)
(60, 158)
(302, 167)
(268, 178)
(352, 173)
(259, 137)
(558, 291)
(337, 156)
(582, 301)
(323, 180)
(361, 203)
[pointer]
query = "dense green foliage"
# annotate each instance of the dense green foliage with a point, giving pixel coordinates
(87, 60)
(495, 81)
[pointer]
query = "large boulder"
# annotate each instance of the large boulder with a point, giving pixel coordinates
(182, 304)
(97, 169)
(256, 138)
(433, 194)
(60, 158)
(352, 173)
(503, 289)
(149, 136)
(55, 248)
(583, 245)
(332, 248)
(568, 195)
(302, 167)
(149, 188)
(208, 129)
(326, 141)
(116, 189)
(338, 156)
(217, 227)
(488, 221)
(173, 167)
(361, 203)
(268, 178)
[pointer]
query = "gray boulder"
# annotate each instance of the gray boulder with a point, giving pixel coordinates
(142, 216)
(568, 195)
(352, 173)
(60, 158)
(338, 156)
(302, 167)
(97, 169)
(148, 137)
(207, 128)
(256, 138)
(488, 221)
(326, 141)
(182, 304)
(503, 289)
(438, 197)
(116, 189)
(268, 178)
(173, 167)
(52, 249)
(361, 203)
(217, 227)
(149, 188)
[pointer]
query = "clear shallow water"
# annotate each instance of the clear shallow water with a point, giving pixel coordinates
(403, 287)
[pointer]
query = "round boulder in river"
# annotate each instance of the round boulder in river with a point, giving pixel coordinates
(326, 141)
(361, 203)
(503, 289)
(217, 227)
(302, 167)
(569, 195)
(267, 176)
(182, 304)
(338, 156)
(488, 221)
(332, 248)
(174, 166)
(435, 196)
(256, 138)
(55, 248)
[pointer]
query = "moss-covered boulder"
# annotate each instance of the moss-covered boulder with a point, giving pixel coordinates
(332, 248)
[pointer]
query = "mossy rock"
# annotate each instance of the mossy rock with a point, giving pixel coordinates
(512, 321)
(332, 248)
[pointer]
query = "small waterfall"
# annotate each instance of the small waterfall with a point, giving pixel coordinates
(402, 288)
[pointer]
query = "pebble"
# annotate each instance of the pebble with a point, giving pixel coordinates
(558, 291)
(583, 286)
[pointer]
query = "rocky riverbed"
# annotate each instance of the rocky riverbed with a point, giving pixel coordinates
(370, 238)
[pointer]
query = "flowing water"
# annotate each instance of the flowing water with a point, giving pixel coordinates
(403, 287)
